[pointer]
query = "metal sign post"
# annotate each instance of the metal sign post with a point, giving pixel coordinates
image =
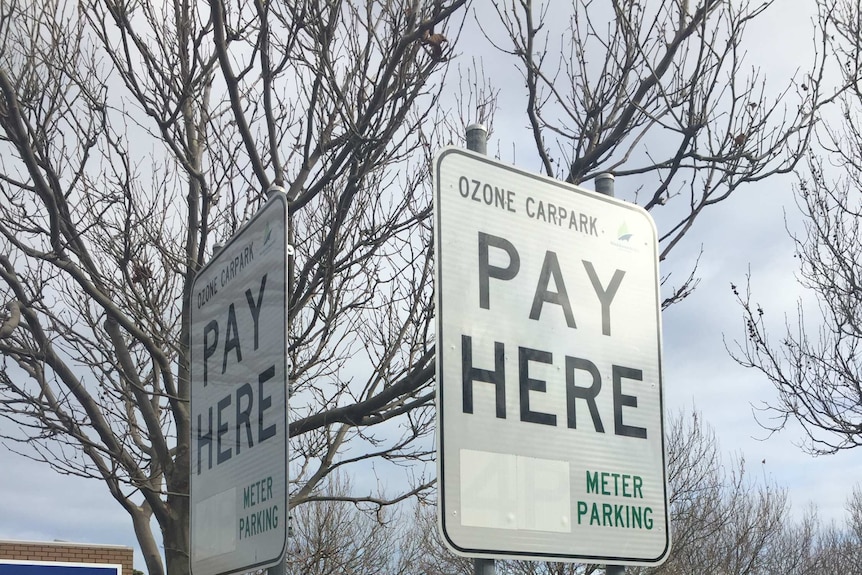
(477, 141)
(605, 185)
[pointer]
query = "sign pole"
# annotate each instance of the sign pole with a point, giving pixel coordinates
(605, 185)
(484, 566)
(477, 141)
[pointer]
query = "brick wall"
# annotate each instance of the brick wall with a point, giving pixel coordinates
(68, 553)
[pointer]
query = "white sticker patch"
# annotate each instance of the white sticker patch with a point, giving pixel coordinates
(216, 523)
(503, 491)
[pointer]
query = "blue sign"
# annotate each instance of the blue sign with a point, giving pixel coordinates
(7, 568)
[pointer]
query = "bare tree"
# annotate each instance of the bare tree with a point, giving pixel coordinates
(331, 536)
(433, 557)
(698, 486)
(659, 94)
(854, 507)
(815, 365)
(134, 135)
(727, 521)
(816, 369)
(723, 520)
(137, 134)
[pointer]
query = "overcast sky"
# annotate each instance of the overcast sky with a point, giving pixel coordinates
(745, 233)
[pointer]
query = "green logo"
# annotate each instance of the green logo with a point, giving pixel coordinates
(623, 233)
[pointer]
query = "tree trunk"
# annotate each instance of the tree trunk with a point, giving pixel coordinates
(176, 536)
(141, 517)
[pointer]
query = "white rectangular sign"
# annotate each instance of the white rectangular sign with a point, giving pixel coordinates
(551, 442)
(239, 399)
